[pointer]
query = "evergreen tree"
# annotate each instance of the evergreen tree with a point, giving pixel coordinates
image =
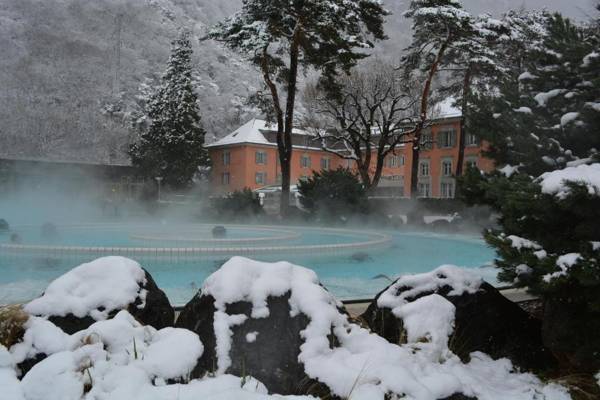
(280, 36)
(173, 145)
(471, 64)
(543, 125)
(438, 25)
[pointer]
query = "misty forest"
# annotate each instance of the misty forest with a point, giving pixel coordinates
(300, 199)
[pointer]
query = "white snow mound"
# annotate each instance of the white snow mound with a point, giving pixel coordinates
(95, 289)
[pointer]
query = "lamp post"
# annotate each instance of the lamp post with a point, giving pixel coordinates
(159, 180)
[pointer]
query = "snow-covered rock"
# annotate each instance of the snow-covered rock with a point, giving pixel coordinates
(473, 325)
(251, 302)
(98, 290)
(251, 316)
(246, 297)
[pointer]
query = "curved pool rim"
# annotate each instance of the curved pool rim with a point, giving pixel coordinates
(373, 239)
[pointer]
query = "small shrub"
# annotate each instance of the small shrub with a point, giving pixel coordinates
(336, 194)
(12, 321)
(240, 204)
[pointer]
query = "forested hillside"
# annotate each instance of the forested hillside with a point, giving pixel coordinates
(72, 71)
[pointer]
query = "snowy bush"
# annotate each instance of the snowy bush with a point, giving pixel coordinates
(333, 194)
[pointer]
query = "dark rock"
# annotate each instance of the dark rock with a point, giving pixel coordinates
(485, 321)
(272, 358)
(26, 365)
(459, 396)
(360, 256)
(15, 238)
(4, 225)
(572, 332)
(219, 231)
(49, 231)
(156, 312)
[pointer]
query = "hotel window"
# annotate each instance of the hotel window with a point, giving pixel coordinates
(226, 157)
(225, 178)
(446, 138)
(471, 163)
(401, 160)
(261, 157)
(424, 168)
(393, 161)
(305, 161)
(471, 140)
(261, 178)
(424, 190)
(447, 190)
(447, 167)
(426, 141)
(325, 163)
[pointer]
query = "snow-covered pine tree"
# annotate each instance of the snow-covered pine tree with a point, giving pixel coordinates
(173, 145)
(437, 26)
(471, 67)
(549, 198)
(281, 36)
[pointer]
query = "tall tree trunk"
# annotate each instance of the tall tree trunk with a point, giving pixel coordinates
(463, 125)
(463, 128)
(416, 145)
(285, 151)
(377, 175)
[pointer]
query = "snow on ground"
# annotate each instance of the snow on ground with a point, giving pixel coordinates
(554, 182)
(95, 289)
(366, 366)
(119, 359)
(116, 359)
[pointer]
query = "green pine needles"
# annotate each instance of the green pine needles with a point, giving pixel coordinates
(173, 146)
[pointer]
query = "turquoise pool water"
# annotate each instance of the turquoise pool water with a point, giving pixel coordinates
(24, 276)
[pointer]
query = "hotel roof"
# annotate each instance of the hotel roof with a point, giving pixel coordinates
(252, 132)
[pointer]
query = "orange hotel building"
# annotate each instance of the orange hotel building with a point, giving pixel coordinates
(248, 158)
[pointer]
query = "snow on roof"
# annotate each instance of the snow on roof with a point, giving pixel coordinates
(252, 132)
(555, 182)
(445, 109)
(95, 289)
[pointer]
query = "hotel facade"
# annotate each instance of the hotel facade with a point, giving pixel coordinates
(248, 158)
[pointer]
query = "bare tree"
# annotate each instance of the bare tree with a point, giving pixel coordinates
(365, 119)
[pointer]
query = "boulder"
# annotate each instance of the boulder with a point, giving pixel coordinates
(484, 320)
(219, 231)
(572, 332)
(264, 348)
(99, 290)
(4, 225)
(250, 319)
